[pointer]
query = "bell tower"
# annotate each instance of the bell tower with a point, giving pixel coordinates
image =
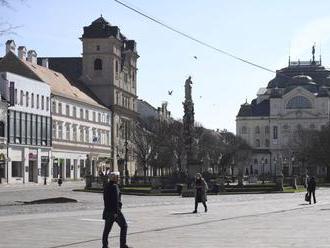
(109, 71)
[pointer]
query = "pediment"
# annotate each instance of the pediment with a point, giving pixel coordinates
(298, 91)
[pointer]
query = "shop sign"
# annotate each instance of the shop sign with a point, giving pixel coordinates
(44, 159)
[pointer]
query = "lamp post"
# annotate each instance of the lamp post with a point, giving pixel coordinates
(292, 164)
(45, 176)
(126, 175)
(294, 176)
(263, 170)
(275, 163)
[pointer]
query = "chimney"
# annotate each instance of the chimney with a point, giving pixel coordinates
(10, 46)
(44, 62)
(32, 56)
(22, 53)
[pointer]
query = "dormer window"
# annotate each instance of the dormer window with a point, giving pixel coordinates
(98, 65)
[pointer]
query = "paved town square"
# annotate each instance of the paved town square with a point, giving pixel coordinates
(250, 220)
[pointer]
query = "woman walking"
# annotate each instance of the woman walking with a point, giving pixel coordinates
(200, 192)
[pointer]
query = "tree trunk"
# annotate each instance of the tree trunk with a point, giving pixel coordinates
(328, 173)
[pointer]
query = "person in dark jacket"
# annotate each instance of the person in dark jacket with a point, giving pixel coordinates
(112, 211)
(311, 186)
(200, 192)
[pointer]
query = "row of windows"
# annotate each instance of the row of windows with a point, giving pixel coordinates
(258, 143)
(34, 101)
(71, 111)
(257, 130)
(29, 129)
(125, 101)
(71, 132)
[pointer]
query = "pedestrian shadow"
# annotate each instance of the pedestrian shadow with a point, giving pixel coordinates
(303, 204)
(182, 213)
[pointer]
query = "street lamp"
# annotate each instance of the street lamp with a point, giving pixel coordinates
(126, 175)
(263, 170)
(292, 164)
(275, 163)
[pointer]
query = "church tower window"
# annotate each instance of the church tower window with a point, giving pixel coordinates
(98, 65)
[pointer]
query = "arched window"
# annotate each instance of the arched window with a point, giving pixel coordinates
(257, 129)
(266, 129)
(244, 130)
(2, 129)
(257, 143)
(98, 65)
(267, 142)
(299, 102)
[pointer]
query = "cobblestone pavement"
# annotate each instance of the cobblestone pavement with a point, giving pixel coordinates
(267, 220)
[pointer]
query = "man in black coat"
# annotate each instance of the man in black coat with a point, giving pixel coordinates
(311, 186)
(112, 211)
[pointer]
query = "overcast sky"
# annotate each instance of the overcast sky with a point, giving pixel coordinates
(262, 31)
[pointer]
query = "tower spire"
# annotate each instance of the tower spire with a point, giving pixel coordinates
(289, 54)
(320, 55)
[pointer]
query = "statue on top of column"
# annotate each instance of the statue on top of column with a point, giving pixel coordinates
(187, 86)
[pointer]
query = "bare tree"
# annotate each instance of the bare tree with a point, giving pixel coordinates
(143, 146)
(312, 147)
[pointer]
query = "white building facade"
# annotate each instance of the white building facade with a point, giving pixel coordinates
(297, 98)
(29, 140)
(3, 140)
(81, 138)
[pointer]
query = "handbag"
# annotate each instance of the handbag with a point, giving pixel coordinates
(307, 197)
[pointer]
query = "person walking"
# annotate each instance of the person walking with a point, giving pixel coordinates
(311, 186)
(112, 211)
(200, 192)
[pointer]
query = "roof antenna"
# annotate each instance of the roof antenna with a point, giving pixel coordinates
(289, 54)
(313, 53)
(320, 54)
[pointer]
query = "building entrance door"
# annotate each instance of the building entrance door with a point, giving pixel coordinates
(75, 169)
(61, 168)
(33, 171)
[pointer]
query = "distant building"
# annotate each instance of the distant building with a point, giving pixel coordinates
(298, 97)
(146, 111)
